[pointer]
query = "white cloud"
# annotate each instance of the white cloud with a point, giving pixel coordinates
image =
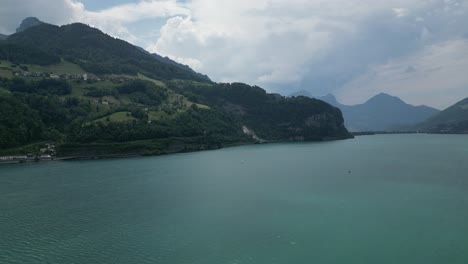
(436, 75)
(284, 45)
(400, 12)
(113, 20)
(132, 12)
(258, 42)
(52, 11)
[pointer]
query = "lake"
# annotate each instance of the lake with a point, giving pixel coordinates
(374, 199)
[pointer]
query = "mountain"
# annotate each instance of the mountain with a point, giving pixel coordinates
(28, 23)
(451, 120)
(91, 49)
(331, 99)
(167, 60)
(301, 93)
(94, 95)
(382, 112)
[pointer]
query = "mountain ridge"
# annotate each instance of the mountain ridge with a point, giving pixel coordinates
(453, 119)
(93, 95)
(27, 23)
(381, 112)
(96, 52)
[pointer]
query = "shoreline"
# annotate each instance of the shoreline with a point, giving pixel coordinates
(118, 156)
(182, 150)
(166, 152)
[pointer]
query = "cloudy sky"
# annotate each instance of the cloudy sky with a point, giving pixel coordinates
(414, 49)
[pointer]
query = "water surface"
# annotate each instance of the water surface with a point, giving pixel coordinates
(374, 199)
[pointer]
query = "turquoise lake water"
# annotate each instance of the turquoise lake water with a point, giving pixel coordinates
(374, 199)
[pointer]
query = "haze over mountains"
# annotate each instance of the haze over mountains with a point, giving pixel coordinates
(452, 120)
(93, 94)
(25, 24)
(382, 112)
(28, 23)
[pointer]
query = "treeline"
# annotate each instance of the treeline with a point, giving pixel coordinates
(44, 110)
(22, 54)
(271, 116)
(19, 124)
(43, 86)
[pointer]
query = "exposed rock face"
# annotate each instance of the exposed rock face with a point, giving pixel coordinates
(251, 133)
(28, 23)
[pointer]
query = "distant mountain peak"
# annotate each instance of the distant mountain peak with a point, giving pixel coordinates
(95, 51)
(384, 95)
(383, 98)
(301, 93)
(330, 97)
(28, 23)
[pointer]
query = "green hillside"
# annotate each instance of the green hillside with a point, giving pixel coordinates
(93, 95)
(91, 49)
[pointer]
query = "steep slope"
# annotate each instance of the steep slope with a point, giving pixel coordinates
(135, 104)
(96, 52)
(382, 112)
(167, 60)
(331, 99)
(452, 120)
(28, 22)
(270, 116)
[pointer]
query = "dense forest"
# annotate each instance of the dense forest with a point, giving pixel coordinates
(47, 111)
(88, 47)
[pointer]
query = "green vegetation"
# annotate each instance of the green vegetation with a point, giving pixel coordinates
(43, 86)
(134, 103)
(19, 124)
(19, 53)
(64, 67)
(33, 148)
(144, 78)
(117, 117)
(5, 73)
(270, 116)
(70, 112)
(92, 50)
